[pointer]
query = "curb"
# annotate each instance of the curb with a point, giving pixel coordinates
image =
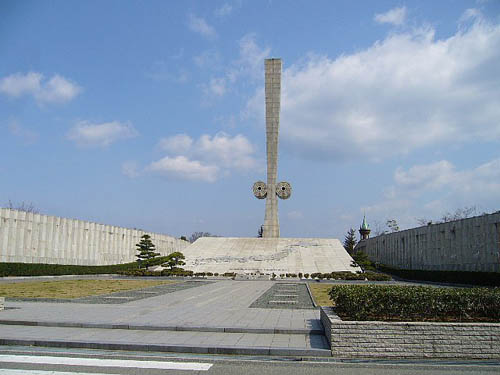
(285, 331)
(171, 348)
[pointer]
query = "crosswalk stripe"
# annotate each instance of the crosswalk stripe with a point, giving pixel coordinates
(101, 362)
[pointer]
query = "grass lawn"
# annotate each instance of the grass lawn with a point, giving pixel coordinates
(320, 293)
(67, 289)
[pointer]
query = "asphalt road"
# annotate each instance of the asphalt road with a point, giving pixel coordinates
(44, 361)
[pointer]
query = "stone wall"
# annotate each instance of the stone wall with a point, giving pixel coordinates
(34, 238)
(463, 245)
(410, 339)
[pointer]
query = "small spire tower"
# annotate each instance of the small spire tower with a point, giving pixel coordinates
(364, 229)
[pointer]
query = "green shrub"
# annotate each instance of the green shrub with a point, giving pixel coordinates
(216, 273)
(415, 303)
(229, 274)
(42, 269)
(376, 276)
(361, 260)
(306, 275)
(461, 277)
(300, 275)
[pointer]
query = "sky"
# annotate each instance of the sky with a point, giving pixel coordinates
(150, 115)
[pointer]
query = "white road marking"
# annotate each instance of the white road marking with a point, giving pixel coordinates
(41, 372)
(98, 362)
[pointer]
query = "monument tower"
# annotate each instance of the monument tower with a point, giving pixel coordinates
(272, 190)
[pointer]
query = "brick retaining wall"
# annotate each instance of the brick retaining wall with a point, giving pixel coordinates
(350, 339)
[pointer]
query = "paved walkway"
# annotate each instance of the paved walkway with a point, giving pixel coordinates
(213, 318)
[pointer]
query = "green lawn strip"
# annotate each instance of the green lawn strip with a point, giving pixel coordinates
(69, 289)
(42, 269)
(416, 303)
(320, 293)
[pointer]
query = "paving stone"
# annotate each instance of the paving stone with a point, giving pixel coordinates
(271, 299)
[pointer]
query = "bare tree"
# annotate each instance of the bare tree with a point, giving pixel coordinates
(378, 228)
(459, 213)
(392, 224)
(197, 235)
(23, 206)
(423, 221)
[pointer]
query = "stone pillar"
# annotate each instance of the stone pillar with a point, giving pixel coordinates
(273, 95)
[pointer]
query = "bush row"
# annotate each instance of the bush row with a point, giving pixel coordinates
(145, 272)
(176, 272)
(41, 269)
(368, 275)
(343, 275)
(462, 277)
(415, 303)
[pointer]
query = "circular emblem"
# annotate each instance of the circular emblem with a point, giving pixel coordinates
(283, 190)
(260, 189)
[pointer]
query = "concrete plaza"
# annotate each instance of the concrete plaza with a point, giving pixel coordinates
(210, 318)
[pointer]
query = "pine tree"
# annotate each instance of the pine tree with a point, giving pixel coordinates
(146, 249)
(174, 260)
(350, 241)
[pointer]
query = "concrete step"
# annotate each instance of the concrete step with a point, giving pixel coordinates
(294, 345)
(145, 327)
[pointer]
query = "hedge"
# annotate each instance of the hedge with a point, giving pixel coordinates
(346, 275)
(461, 277)
(42, 269)
(415, 303)
(166, 272)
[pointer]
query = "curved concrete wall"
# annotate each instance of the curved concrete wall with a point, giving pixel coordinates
(463, 245)
(35, 238)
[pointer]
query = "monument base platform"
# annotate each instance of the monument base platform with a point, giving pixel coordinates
(267, 255)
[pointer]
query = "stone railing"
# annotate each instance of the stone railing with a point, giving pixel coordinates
(349, 339)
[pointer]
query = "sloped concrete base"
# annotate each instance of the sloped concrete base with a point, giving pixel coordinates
(267, 255)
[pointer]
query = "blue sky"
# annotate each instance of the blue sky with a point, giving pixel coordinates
(151, 114)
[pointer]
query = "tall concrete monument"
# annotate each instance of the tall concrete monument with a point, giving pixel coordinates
(271, 190)
(270, 254)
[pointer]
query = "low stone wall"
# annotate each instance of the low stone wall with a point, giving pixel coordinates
(471, 244)
(35, 238)
(410, 339)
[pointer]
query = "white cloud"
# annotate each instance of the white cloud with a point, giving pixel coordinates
(395, 16)
(177, 144)
(224, 10)
(56, 90)
(221, 149)
(216, 86)
(183, 168)
(28, 136)
(249, 66)
(431, 190)
(430, 176)
(161, 71)
(131, 169)
(208, 154)
(250, 62)
(403, 93)
(208, 59)
(443, 175)
(200, 26)
(18, 84)
(230, 152)
(88, 134)
(470, 14)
